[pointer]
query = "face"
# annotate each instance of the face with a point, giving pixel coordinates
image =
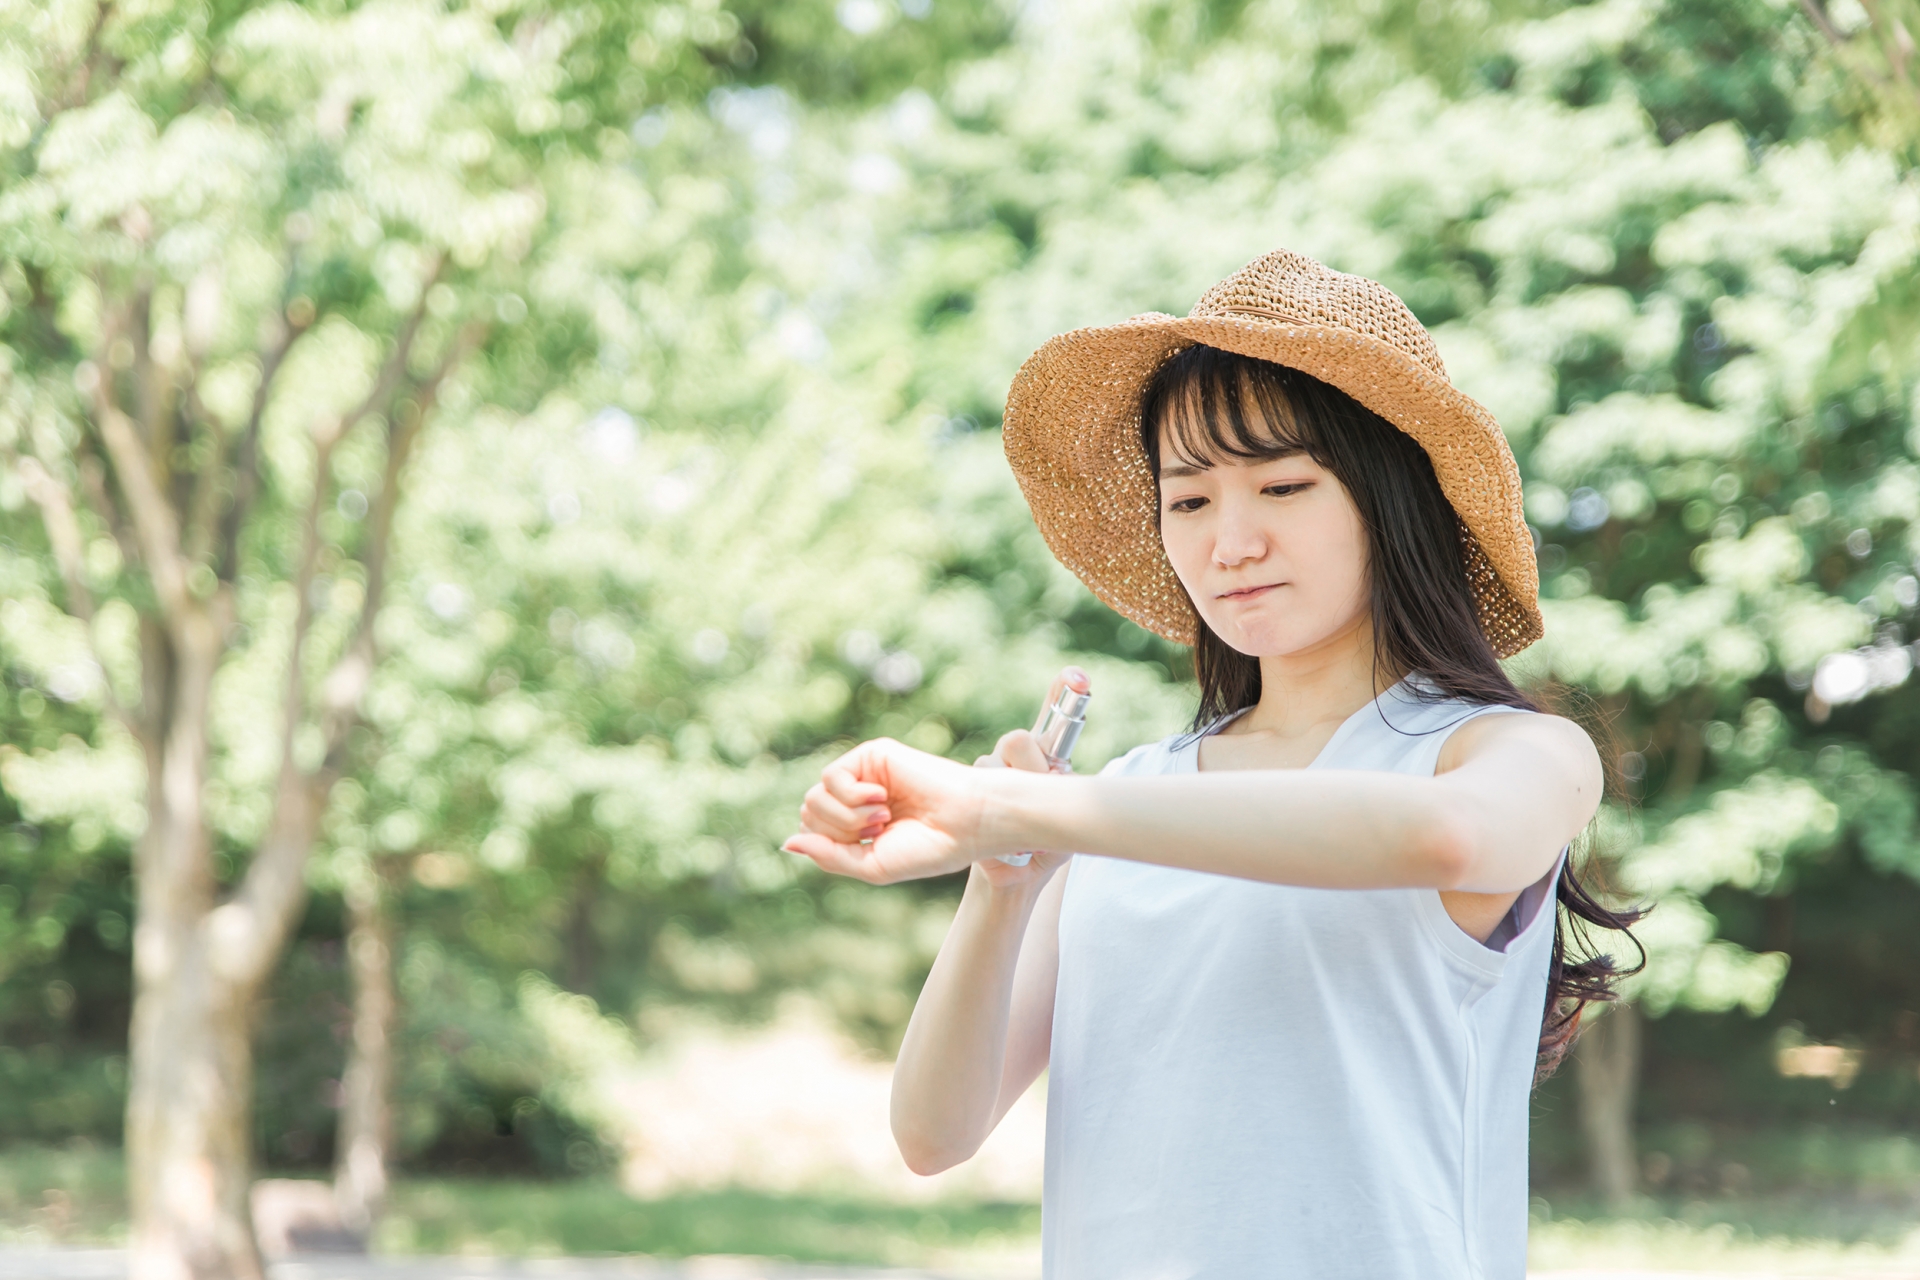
(1273, 552)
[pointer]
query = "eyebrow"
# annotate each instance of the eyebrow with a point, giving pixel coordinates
(1181, 470)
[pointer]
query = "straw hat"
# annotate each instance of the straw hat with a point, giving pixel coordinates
(1072, 434)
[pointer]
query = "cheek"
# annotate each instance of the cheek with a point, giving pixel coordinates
(1186, 552)
(1349, 535)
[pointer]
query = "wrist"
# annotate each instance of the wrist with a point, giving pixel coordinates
(1007, 804)
(1013, 897)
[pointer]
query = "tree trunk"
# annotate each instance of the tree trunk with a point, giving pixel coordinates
(190, 1075)
(188, 1141)
(583, 949)
(365, 1133)
(1607, 1072)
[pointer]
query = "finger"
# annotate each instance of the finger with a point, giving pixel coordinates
(1069, 678)
(855, 816)
(832, 856)
(823, 814)
(1053, 696)
(846, 787)
(989, 762)
(1018, 749)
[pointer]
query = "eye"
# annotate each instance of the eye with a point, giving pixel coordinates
(1185, 505)
(1282, 490)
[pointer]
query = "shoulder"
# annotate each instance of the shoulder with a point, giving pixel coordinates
(1502, 728)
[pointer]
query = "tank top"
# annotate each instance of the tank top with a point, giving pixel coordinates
(1258, 1080)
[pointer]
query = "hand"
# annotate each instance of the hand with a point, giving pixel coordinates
(1018, 750)
(920, 812)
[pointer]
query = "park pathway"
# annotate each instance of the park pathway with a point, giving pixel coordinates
(110, 1264)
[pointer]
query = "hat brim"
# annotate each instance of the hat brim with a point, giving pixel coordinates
(1072, 436)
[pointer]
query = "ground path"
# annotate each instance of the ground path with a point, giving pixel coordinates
(110, 1264)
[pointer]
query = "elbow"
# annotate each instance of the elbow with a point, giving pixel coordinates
(1445, 848)
(925, 1163)
(929, 1144)
(926, 1157)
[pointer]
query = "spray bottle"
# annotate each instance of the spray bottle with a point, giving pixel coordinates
(1056, 732)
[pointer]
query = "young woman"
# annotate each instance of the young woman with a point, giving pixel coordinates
(1295, 985)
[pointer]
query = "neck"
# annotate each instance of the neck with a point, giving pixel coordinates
(1327, 682)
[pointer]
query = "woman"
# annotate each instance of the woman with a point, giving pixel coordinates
(1291, 988)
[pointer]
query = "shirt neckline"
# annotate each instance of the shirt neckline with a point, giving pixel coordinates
(1188, 756)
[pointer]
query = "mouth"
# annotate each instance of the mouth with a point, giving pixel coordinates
(1248, 593)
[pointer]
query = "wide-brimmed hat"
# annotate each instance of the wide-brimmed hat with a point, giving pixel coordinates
(1072, 434)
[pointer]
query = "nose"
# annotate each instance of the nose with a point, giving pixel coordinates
(1237, 536)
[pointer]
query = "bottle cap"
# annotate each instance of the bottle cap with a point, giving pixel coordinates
(1072, 703)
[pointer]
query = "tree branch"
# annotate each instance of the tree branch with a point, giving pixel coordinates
(247, 459)
(246, 466)
(294, 697)
(92, 473)
(247, 930)
(203, 505)
(347, 682)
(63, 535)
(155, 525)
(252, 926)
(327, 435)
(1818, 15)
(149, 399)
(153, 518)
(1895, 40)
(83, 66)
(395, 369)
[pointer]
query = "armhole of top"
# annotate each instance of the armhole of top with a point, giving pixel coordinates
(1525, 911)
(1536, 900)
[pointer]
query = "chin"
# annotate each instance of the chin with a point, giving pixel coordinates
(1275, 643)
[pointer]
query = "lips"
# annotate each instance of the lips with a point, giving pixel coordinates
(1248, 593)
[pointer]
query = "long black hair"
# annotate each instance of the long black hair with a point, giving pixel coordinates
(1218, 405)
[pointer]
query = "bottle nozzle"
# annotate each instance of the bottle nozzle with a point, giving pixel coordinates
(1061, 723)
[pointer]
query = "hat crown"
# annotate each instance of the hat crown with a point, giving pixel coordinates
(1293, 289)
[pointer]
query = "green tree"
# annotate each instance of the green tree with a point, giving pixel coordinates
(695, 320)
(246, 256)
(629, 641)
(1650, 239)
(1584, 203)
(1875, 43)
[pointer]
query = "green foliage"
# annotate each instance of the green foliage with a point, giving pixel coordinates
(717, 490)
(73, 1193)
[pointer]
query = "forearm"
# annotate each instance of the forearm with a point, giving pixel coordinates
(1326, 828)
(947, 1081)
(1491, 822)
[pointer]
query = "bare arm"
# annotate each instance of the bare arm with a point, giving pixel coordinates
(980, 1031)
(1525, 786)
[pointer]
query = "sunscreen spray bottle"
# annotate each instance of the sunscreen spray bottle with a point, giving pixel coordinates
(1058, 730)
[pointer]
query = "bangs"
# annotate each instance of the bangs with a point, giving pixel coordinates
(1219, 407)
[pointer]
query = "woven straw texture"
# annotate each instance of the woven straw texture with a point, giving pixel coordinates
(1072, 434)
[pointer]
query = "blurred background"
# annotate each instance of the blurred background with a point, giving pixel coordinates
(464, 467)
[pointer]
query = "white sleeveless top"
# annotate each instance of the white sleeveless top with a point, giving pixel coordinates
(1252, 1080)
